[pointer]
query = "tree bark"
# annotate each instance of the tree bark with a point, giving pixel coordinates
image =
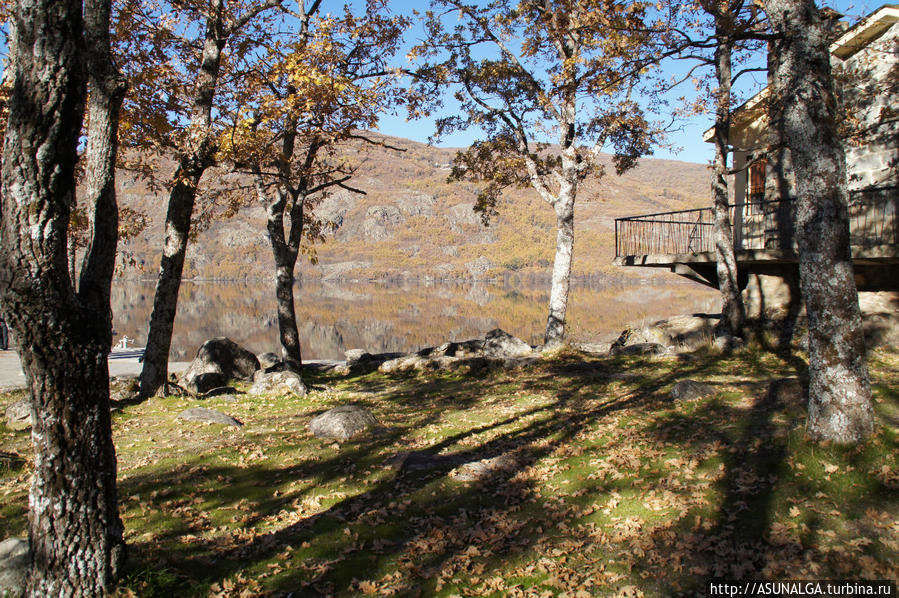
(733, 312)
(285, 250)
(198, 157)
(840, 407)
(561, 277)
(165, 300)
(74, 527)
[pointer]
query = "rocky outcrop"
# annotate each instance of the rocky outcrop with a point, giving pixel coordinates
(280, 383)
(341, 270)
(380, 221)
(342, 423)
(678, 333)
(208, 416)
(218, 360)
(478, 268)
(417, 205)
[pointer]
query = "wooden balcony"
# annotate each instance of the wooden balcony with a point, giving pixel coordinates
(764, 240)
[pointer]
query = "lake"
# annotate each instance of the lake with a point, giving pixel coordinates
(377, 317)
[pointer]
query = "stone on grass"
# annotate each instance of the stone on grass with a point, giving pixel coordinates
(217, 361)
(211, 416)
(124, 388)
(418, 461)
(476, 471)
(18, 415)
(15, 559)
(281, 383)
(341, 423)
(687, 390)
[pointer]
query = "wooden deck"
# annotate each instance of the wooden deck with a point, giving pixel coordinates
(763, 234)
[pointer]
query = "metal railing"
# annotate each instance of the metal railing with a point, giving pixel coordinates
(873, 221)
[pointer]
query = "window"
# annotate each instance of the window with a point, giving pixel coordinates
(756, 188)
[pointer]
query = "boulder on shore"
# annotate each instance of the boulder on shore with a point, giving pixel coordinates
(208, 416)
(268, 360)
(283, 383)
(217, 361)
(342, 423)
(498, 349)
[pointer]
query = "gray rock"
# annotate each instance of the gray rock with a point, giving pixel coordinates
(479, 267)
(476, 471)
(268, 360)
(638, 349)
(380, 221)
(15, 559)
(342, 423)
(124, 388)
(417, 204)
(355, 356)
(407, 363)
(18, 415)
(499, 343)
(282, 383)
(201, 414)
(498, 349)
(217, 361)
(595, 348)
(419, 461)
(360, 362)
(687, 390)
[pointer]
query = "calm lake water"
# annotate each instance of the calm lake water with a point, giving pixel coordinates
(398, 317)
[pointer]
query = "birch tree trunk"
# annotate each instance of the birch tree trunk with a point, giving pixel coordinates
(74, 527)
(561, 276)
(840, 407)
(733, 312)
(191, 166)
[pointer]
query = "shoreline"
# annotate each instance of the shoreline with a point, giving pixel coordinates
(12, 377)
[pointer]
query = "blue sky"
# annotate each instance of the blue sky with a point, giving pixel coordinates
(687, 142)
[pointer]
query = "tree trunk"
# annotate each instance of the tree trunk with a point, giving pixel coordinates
(840, 407)
(285, 254)
(165, 301)
(74, 527)
(733, 313)
(192, 164)
(561, 277)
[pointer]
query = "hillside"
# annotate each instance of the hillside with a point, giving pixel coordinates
(413, 224)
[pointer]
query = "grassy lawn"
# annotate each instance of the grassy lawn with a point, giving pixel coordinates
(618, 490)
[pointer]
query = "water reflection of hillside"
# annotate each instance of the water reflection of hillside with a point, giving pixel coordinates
(377, 317)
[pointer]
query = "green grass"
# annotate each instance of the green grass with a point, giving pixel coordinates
(618, 488)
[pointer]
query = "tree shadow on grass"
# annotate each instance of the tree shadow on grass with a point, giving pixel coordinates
(754, 531)
(418, 530)
(426, 533)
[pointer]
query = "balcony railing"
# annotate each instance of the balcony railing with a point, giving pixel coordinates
(873, 221)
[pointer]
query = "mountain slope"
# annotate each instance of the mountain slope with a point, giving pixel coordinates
(411, 223)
